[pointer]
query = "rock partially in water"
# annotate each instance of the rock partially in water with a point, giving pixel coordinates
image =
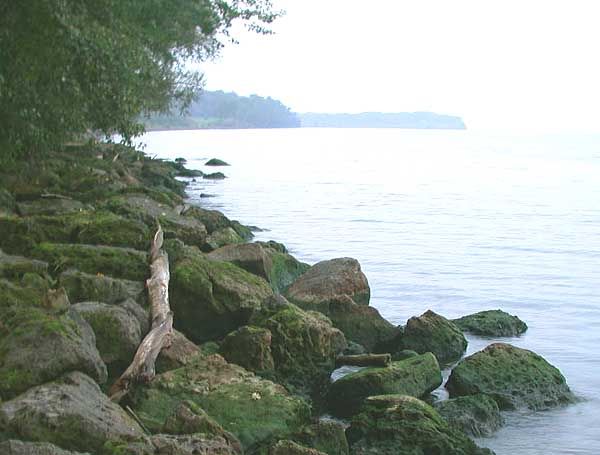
(514, 377)
(431, 332)
(416, 376)
(492, 323)
(214, 176)
(216, 162)
(71, 412)
(476, 415)
(38, 347)
(253, 409)
(212, 298)
(249, 347)
(404, 425)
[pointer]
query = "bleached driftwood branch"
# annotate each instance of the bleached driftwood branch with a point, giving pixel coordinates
(142, 366)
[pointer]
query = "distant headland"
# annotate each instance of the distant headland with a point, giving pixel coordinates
(221, 110)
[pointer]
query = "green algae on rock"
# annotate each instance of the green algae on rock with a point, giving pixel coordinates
(287, 447)
(249, 347)
(431, 332)
(83, 287)
(16, 447)
(212, 298)
(216, 162)
(514, 377)
(476, 415)
(70, 412)
(15, 267)
(492, 323)
(327, 436)
(404, 425)
(415, 376)
(220, 238)
(253, 409)
(116, 262)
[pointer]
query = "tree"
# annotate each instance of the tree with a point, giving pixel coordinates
(68, 67)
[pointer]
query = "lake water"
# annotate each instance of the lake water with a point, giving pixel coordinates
(452, 221)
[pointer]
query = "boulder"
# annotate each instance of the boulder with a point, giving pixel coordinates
(14, 267)
(364, 325)
(279, 269)
(118, 332)
(83, 287)
(50, 206)
(105, 260)
(249, 347)
(404, 425)
(416, 376)
(191, 444)
(38, 347)
(327, 436)
(327, 281)
(492, 323)
(214, 176)
(212, 219)
(216, 162)
(431, 332)
(178, 354)
(253, 409)
(212, 298)
(514, 377)
(221, 237)
(71, 412)
(16, 447)
(143, 208)
(287, 447)
(475, 415)
(304, 344)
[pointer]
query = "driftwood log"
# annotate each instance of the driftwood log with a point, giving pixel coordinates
(142, 366)
(364, 360)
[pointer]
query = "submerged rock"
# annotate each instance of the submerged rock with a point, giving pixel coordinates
(212, 298)
(492, 323)
(216, 162)
(404, 425)
(514, 377)
(431, 332)
(476, 415)
(416, 376)
(38, 347)
(253, 409)
(330, 280)
(71, 412)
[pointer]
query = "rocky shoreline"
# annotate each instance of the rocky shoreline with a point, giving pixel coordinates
(257, 332)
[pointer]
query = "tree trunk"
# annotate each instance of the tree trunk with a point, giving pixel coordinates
(142, 366)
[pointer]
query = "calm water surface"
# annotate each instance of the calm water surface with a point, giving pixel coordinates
(452, 221)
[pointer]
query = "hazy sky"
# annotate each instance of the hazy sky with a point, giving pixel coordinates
(499, 64)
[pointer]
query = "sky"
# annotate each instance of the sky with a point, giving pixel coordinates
(502, 64)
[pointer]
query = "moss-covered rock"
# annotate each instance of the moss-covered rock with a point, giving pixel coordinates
(221, 237)
(492, 323)
(327, 436)
(476, 415)
(70, 412)
(416, 376)
(212, 219)
(215, 176)
(304, 343)
(364, 325)
(178, 354)
(50, 206)
(404, 425)
(327, 281)
(249, 347)
(7, 203)
(216, 162)
(212, 298)
(431, 332)
(287, 447)
(36, 347)
(118, 333)
(253, 409)
(83, 287)
(15, 267)
(16, 447)
(514, 377)
(116, 262)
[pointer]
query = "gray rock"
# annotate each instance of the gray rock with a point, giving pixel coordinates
(15, 447)
(83, 287)
(180, 353)
(50, 206)
(71, 412)
(14, 267)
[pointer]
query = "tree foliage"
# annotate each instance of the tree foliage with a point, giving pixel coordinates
(69, 67)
